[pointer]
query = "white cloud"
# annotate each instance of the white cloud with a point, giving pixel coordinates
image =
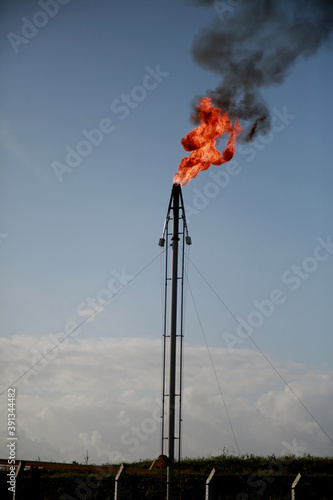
(103, 395)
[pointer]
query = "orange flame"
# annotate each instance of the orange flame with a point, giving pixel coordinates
(201, 142)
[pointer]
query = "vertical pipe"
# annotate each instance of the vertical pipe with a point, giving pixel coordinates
(181, 344)
(164, 340)
(173, 339)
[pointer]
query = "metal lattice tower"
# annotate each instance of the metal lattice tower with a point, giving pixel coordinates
(173, 331)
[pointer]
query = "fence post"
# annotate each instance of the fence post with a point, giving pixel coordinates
(209, 492)
(117, 486)
(293, 486)
(19, 472)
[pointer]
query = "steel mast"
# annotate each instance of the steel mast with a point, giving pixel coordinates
(173, 342)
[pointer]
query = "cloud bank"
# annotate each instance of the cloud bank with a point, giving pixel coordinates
(103, 395)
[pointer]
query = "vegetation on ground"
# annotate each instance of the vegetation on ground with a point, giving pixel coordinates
(236, 478)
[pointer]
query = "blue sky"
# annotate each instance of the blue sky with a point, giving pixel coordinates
(63, 238)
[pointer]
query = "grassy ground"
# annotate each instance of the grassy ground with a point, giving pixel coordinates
(236, 478)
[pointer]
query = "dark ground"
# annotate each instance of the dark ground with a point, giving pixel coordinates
(236, 478)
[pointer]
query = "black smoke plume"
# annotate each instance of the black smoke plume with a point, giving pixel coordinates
(252, 45)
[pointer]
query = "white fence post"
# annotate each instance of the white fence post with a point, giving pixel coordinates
(209, 491)
(117, 486)
(17, 494)
(293, 486)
